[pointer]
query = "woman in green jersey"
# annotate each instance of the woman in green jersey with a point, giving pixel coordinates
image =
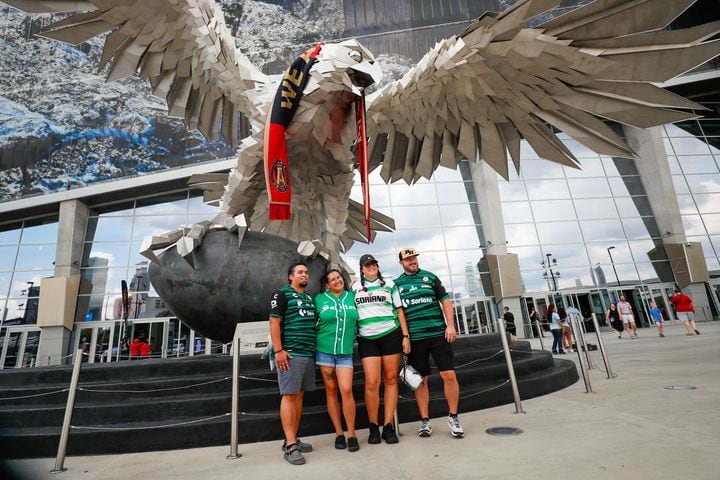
(382, 337)
(337, 321)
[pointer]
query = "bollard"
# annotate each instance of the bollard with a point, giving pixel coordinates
(396, 422)
(601, 345)
(540, 334)
(511, 370)
(586, 377)
(235, 400)
(65, 432)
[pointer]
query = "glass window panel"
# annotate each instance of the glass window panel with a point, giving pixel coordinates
(602, 230)
(423, 240)
(680, 184)
(715, 240)
(707, 203)
(589, 187)
(21, 281)
(465, 261)
(671, 130)
(669, 150)
(693, 225)
(414, 217)
(626, 186)
(516, 212)
(698, 164)
(552, 210)
(454, 192)
(521, 234)
(103, 280)
(114, 210)
(404, 194)
(435, 262)
(619, 166)
(599, 253)
(104, 229)
(567, 255)
(528, 257)
(4, 287)
(710, 127)
(703, 183)
(458, 238)
(444, 174)
(384, 243)
(196, 205)
(42, 233)
(713, 267)
(559, 232)
(595, 209)
(527, 152)
(638, 206)
(579, 150)
(627, 273)
(457, 215)
(640, 227)
(144, 226)
(674, 165)
(646, 250)
(712, 223)
(512, 190)
(533, 281)
(547, 189)
(35, 257)
(10, 234)
(589, 167)
(379, 195)
(7, 257)
(458, 288)
(107, 254)
(575, 278)
(705, 242)
(689, 146)
(170, 204)
(541, 169)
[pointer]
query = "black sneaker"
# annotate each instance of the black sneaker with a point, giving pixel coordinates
(340, 442)
(697, 332)
(353, 445)
(374, 436)
(388, 434)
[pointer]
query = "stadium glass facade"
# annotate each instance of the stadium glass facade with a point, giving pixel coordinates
(597, 224)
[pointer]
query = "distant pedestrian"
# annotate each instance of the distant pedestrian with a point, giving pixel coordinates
(144, 350)
(509, 320)
(135, 349)
(565, 330)
(535, 321)
(656, 315)
(626, 313)
(613, 318)
(556, 329)
(685, 311)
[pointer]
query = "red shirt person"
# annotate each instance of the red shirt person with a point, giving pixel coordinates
(144, 350)
(135, 348)
(685, 311)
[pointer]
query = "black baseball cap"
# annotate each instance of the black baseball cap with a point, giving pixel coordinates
(367, 258)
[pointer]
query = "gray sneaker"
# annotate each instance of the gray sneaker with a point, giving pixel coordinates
(294, 456)
(456, 429)
(303, 446)
(425, 429)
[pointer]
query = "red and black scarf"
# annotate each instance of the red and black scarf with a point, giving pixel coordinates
(287, 99)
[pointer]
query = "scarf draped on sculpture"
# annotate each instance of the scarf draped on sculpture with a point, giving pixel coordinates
(287, 99)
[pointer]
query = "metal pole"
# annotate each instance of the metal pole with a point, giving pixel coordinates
(235, 400)
(540, 334)
(65, 432)
(586, 377)
(511, 370)
(601, 345)
(580, 337)
(396, 422)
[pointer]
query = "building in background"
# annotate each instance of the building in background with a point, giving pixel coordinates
(95, 190)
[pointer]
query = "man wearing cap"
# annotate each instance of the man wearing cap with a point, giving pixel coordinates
(431, 322)
(293, 336)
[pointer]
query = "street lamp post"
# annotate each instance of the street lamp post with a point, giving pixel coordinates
(617, 279)
(549, 274)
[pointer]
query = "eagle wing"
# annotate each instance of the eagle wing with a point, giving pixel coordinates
(479, 93)
(181, 46)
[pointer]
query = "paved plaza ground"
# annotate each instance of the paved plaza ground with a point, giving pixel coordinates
(631, 427)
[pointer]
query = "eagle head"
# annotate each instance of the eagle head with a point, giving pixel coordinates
(352, 59)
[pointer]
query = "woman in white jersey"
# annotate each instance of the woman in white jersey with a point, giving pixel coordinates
(382, 337)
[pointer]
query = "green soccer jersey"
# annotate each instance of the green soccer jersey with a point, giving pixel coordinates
(421, 294)
(296, 312)
(337, 321)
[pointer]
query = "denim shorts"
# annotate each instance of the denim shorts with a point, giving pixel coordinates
(336, 361)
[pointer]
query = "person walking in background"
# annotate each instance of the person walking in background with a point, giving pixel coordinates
(293, 337)
(613, 318)
(535, 321)
(626, 313)
(382, 336)
(509, 319)
(431, 320)
(337, 321)
(657, 317)
(565, 330)
(556, 329)
(685, 311)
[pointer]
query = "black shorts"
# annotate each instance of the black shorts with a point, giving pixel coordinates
(510, 328)
(389, 344)
(438, 347)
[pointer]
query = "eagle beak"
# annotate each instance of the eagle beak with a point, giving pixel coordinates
(365, 74)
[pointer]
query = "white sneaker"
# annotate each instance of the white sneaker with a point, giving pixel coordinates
(425, 429)
(456, 429)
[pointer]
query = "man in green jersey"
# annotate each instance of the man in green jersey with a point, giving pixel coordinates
(292, 332)
(431, 321)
